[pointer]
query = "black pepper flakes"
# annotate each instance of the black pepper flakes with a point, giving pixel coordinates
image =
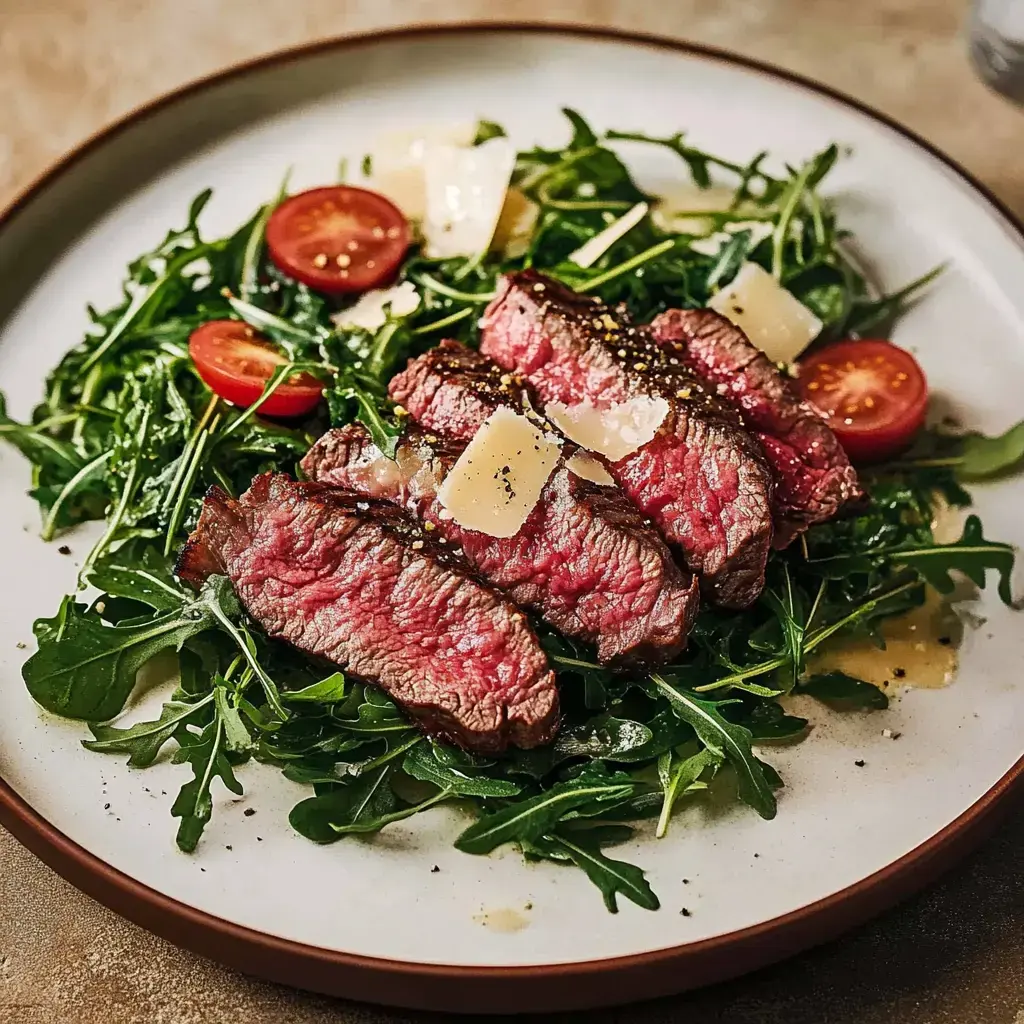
(434, 870)
(249, 811)
(899, 673)
(64, 549)
(685, 912)
(860, 763)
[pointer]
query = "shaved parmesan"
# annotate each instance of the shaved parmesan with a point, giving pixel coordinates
(397, 161)
(515, 224)
(593, 249)
(465, 193)
(680, 209)
(497, 480)
(615, 432)
(772, 318)
(370, 312)
(588, 468)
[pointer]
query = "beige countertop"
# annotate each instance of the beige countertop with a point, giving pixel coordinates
(68, 67)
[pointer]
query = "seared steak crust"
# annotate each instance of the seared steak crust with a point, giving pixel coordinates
(586, 559)
(358, 583)
(702, 478)
(813, 476)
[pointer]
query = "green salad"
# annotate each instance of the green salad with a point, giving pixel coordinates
(129, 434)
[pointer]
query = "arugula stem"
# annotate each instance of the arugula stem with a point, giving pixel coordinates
(277, 378)
(763, 668)
(532, 180)
(87, 471)
(791, 201)
(439, 325)
(254, 243)
(92, 380)
(432, 284)
(625, 267)
(141, 299)
(269, 686)
(127, 494)
(186, 453)
(185, 489)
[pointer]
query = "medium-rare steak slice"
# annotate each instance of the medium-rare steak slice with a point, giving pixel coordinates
(813, 476)
(358, 583)
(702, 478)
(452, 389)
(586, 558)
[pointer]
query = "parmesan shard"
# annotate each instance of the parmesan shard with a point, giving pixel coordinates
(586, 467)
(686, 209)
(516, 222)
(498, 478)
(772, 318)
(465, 194)
(370, 311)
(397, 162)
(594, 248)
(614, 432)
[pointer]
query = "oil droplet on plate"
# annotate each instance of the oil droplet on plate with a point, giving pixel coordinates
(506, 920)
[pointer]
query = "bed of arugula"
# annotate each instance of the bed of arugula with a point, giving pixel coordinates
(128, 434)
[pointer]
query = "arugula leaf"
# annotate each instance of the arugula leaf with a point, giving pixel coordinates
(143, 577)
(329, 690)
(878, 314)
(971, 555)
(236, 736)
(768, 721)
(786, 603)
(723, 738)
(612, 877)
(982, 458)
(144, 740)
(486, 130)
(535, 816)
(423, 763)
(679, 775)
(840, 688)
(366, 800)
(86, 670)
(605, 737)
(206, 753)
(383, 432)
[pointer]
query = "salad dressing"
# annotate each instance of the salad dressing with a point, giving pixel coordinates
(920, 650)
(506, 920)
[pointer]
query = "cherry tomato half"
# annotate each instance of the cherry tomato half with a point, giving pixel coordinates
(236, 363)
(338, 239)
(873, 394)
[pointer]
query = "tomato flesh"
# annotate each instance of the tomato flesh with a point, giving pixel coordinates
(338, 239)
(873, 394)
(235, 362)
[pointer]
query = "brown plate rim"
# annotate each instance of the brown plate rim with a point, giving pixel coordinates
(459, 988)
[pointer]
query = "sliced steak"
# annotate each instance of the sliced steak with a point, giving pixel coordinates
(586, 559)
(813, 476)
(452, 389)
(702, 478)
(358, 583)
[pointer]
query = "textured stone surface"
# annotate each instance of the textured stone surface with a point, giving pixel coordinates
(67, 67)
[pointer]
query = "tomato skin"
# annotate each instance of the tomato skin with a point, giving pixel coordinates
(873, 394)
(235, 363)
(338, 239)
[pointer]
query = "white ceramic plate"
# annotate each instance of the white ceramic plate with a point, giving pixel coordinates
(371, 917)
